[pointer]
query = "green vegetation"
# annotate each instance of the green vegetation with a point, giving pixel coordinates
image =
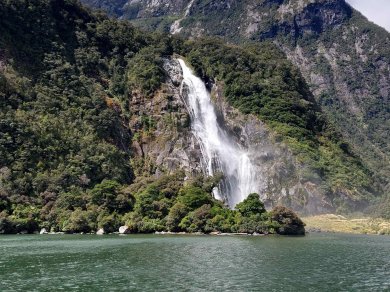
(65, 82)
(289, 222)
(351, 224)
(251, 206)
(333, 46)
(67, 77)
(172, 204)
(259, 80)
(165, 204)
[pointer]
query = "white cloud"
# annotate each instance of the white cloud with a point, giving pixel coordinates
(377, 11)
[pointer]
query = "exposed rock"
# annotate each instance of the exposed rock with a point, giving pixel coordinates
(343, 57)
(170, 145)
(2, 60)
(258, 234)
(124, 230)
(175, 27)
(43, 231)
(165, 233)
(101, 231)
(281, 178)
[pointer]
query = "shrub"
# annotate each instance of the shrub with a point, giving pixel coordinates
(251, 206)
(176, 214)
(290, 223)
(77, 222)
(197, 221)
(194, 197)
(109, 222)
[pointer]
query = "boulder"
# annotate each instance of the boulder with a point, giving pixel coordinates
(124, 230)
(100, 231)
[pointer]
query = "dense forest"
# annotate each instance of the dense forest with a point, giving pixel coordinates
(330, 43)
(67, 76)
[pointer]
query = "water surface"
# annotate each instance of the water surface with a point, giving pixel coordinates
(317, 262)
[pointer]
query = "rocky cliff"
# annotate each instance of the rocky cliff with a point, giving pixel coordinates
(92, 115)
(169, 144)
(162, 139)
(343, 57)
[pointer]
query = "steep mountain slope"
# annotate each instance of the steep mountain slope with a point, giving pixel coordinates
(91, 114)
(343, 57)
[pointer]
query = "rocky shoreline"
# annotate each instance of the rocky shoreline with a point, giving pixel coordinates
(122, 231)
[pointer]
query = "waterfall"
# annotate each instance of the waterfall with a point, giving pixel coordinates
(220, 151)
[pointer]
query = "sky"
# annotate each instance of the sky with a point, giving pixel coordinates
(377, 11)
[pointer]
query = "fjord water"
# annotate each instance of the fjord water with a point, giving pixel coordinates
(220, 151)
(317, 262)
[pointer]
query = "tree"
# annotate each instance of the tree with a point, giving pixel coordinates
(290, 223)
(194, 197)
(77, 222)
(176, 214)
(198, 220)
(251, 206)
(105, 193)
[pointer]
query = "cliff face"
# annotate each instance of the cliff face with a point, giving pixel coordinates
(343, 57)
(282, 180)
(169, 145)
(153, 8)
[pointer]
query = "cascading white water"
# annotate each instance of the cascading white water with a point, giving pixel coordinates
(221, 153)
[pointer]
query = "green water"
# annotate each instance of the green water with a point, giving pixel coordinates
(318, 262)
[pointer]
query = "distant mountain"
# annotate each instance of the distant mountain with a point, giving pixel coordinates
(344, 58)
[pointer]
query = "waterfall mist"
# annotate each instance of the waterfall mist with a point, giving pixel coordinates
(220, 151)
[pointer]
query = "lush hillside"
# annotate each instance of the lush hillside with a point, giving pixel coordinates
(67, 81)
(257, 80)
(343, 57)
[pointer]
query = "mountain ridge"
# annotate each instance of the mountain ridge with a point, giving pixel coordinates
(326, 39)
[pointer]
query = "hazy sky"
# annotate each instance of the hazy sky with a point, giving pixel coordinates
(377, 11)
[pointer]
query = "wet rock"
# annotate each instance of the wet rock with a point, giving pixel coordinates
(43, 231)
(165, 233)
